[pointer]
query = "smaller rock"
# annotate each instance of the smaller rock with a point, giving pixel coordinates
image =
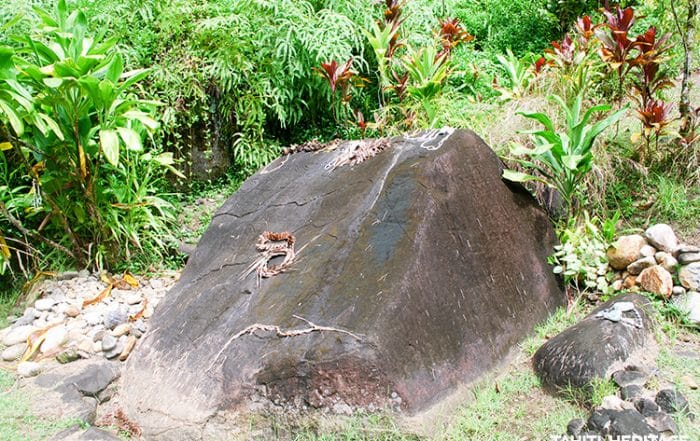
(14, 353)
(671, 401)
(116, 351)
(575, 427)
(72, 311)
(616, 285)
(689, 303)
(645, 406)
(93, 318)
(17, 335)
(122, 329)
(115, 315)
(68, 355)
(630, 375)
(666, 260)
(677, 291)
(689, 276)
(683, 249)
(133, 298)
(687, 258)
(28, 369)
(662, 237)
(342, 409)
(656, 280)
(614, 402)
(637, 266)
(54, 339)
(109, 342)
(662, 422)
(631, 392)
(647, 251)
(157, 284)
(629, 282)
(86, 345)
(44, 304)
(84, 274)
(625, 251)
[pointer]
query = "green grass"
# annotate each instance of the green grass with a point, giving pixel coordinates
(512, 408)
(674, 367)
(17, 422)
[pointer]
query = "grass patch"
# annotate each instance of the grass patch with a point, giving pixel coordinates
(512, 408)
(16, 420)
(557, 322)
(676, 364)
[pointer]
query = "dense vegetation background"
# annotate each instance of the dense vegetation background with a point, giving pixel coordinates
(103, 112)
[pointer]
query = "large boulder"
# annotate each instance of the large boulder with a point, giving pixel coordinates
(415, 271)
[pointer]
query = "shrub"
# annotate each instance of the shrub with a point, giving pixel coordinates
(70, 121)
(563, 158)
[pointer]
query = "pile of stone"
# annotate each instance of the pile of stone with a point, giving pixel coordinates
(649, 263)
(635, 412)
(71, 320)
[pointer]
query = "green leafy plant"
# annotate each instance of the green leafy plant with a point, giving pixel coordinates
(581, 257)
(518, 73)
(74, 123)
(562, 158)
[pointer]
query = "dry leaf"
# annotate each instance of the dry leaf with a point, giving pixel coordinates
(105, 278)
(131, 280)
(139, 314)
(5, 146)
(4, 249)
(121, 284)
(34, 341)
(101, 296)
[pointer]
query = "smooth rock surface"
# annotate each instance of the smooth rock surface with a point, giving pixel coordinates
(687, 258)
(662, 237)
(689, 303)
(656, 280)
(17, 335)
(28, 369)
(639, 265)
(13, 352)
(576, 356)
(625, 250)
(422, 251)
(689, 276)
(54, 339)
(671, 401)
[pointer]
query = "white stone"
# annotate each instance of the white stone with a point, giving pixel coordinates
(54, 339)
(133, 298)
(28, 369)
(662, 237)
(689, 276)
(93, 317)
(14, 353)
(647, 251)
(44, 304)
(690, 304)
(18, 335)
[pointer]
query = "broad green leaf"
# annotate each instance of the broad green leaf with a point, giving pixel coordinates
(131, 139)
(517, 176)
(12, 117)
(7, 66)
(115, 69)
(142, 117)
(166, 160)
(571, 161)
(52, 125)
(132, 77)
(110, 145)
(53, 83)
(541, 117)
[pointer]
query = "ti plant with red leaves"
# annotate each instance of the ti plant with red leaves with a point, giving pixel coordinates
(341, 78)
(655, 116)
(616, 45)
(452, 34)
